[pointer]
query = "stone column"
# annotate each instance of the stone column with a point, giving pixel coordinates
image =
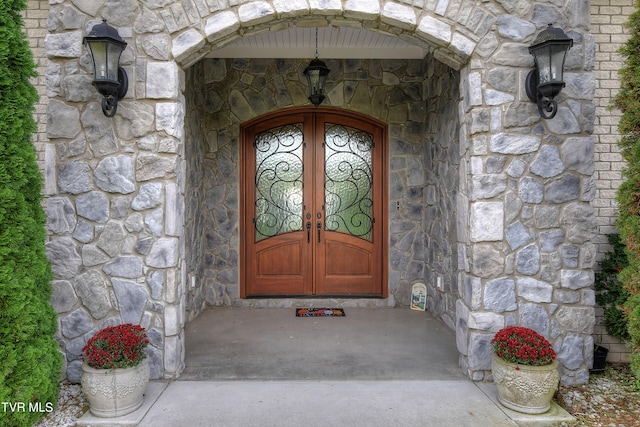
(115, 186)
(525, 201)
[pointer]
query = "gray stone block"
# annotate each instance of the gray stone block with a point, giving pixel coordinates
(129, 267)
(154, 221)
(563, 190)
(486, 261)
(570, 255)
(571, 350)
(115, 175)
(487, 221)
(76, 323)
(64, 45)
(83, 232)
(149, 196)
(93, 206)
(547, 163)
(134, 119)
(163, 253)
(74, 177)
(64, 257)
(92, 256)
(580, 320)
(111, 238)
(92, 290)
(98, 131)
(579, 222)
(132, 299)
(517, 235)
(576, 279)
(486, 321)
(156, 284)
(63, 297)
(486, 186)
(579, 154)
(534, 290)
(531, 190)
(500, 295)
(514, 144)
(534, 316)
(61, 216)
(551, 239)
(480, 351)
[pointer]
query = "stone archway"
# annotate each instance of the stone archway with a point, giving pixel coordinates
(118, 188)
(423, 150)
(408, 264)
(445, 36)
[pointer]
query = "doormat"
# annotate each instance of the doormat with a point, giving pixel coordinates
(320, 312)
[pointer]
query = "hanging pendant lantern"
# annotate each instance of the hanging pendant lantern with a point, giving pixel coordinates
(316, 73)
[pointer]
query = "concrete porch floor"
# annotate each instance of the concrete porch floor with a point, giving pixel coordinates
(366, 344)
(374, 367)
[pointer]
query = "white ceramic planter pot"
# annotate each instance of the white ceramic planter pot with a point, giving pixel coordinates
(114, 392)
(523, 388)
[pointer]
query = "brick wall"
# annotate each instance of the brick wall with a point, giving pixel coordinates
(35, 19)
(607, 26)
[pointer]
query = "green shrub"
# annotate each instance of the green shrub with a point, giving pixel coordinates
(610, 294)
(31, 361)
(628, 196)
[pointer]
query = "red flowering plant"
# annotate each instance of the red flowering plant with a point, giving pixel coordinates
(116, 347)
(524, 346)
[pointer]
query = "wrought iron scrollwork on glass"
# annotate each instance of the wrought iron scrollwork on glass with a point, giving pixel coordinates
(278, 181)
(348, 181)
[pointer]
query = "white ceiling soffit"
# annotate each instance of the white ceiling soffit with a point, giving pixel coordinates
(333, 43)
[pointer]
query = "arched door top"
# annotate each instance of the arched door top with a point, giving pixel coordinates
(452, 35)
(313, 212)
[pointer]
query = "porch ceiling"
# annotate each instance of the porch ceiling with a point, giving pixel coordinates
(334, 42)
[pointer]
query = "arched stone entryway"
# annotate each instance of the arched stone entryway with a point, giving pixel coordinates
(494, 201)
(418, 99)
(423, 163)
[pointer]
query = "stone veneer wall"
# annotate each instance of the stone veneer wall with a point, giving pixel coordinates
(442, 176)
(524, 216)
(223, 93)
(527, 258)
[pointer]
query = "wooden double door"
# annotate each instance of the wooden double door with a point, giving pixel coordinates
(313, 205)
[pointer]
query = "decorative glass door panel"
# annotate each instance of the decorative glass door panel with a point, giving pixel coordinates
(278, 181)
(348, 181)
(313, 205)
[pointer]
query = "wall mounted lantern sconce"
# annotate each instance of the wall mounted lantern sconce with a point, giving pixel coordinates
(105, 46)
(543, 84)
(316, 74)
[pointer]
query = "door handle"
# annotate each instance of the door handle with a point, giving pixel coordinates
(318, 226)
(308, 231)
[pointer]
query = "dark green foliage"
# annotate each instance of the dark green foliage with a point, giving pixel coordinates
(610, 294)
(29, 355)
(628, 101)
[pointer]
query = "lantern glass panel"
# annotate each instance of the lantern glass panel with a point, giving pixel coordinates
(543, 62)
(313, 78)
(113, 59)
(557, 53)
(322, 82)
(98, 51)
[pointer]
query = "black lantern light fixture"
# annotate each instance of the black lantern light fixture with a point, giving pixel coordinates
(105, 46)
(544, 83)
(316, 73)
